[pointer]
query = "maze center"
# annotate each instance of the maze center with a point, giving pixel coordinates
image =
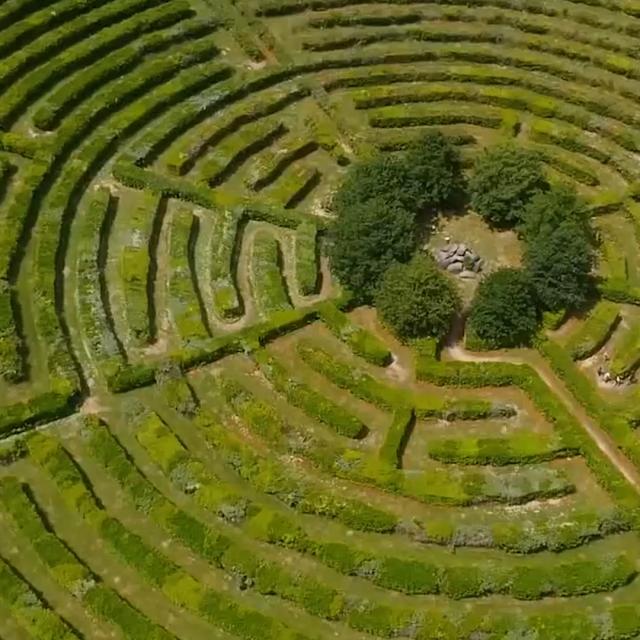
(200, 437)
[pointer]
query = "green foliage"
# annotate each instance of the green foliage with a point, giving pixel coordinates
(368, 236)
(306, 252)
(433, 163)
(504, 180)
(383, 179)
(548, 209)
(559, 261)
(503, 312)
(392, 448)
(361, 341)
(417, 299)
(377, 206)
(524, 448)
(596, 330)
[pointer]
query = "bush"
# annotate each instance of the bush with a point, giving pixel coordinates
(503, 312)
(559, 262)
(368, 236)
(417, 299)
(504, 180)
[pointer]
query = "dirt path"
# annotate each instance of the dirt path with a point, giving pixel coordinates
(602, 439)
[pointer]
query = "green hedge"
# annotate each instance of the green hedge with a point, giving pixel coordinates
(396, 439)
(503, 374)
(267, 278)
(311, 402)
(524, 448)
(46, 407)
(70, 573)
(115, 35)
(596, 330)
(361, 341)
(307, 267)
(368, 388)
(29, 610)
(95, 219)
(226, 299)
(185, 306)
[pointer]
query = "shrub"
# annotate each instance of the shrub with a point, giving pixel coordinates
(417, 299)
(503, 182)
(503, 312)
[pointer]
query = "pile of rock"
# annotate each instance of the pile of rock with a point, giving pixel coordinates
(459, 259)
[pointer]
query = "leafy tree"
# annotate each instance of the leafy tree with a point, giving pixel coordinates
(428, 175)
(383, 177)
(505, 178)
(367, 237)
(559, 261)
(548, 209)
(434, 166)
(417, 299)
(503, 312)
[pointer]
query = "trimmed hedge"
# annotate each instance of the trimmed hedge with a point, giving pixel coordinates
(115, 36)
(29, 610)
(361, 341)
(306, 253)
(504, 374)
(70, 573)
(311, 402)
(370, 389)
(40, 409)
(396, 439)
(185, 303)
(178, 585)
(596, 330)
(93, 300)
(525, 448)
(267, 279)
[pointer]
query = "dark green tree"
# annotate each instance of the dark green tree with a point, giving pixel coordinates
(503, 312)
(417, 299)
(384, 177)
(366, 238)
(434, 166)
(547, 210)
(504, 180)
(559, 262)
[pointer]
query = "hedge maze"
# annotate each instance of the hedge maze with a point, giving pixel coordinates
(199, 436)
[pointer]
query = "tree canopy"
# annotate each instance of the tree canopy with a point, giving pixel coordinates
(548, 209)
(417, 299)
(559, 260)
(505, 178)
(383, 177)
(504, 312)
(367, 238)
(378, 204)
(435, 166)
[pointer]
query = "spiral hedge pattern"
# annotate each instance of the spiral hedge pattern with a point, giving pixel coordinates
(200, 439)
